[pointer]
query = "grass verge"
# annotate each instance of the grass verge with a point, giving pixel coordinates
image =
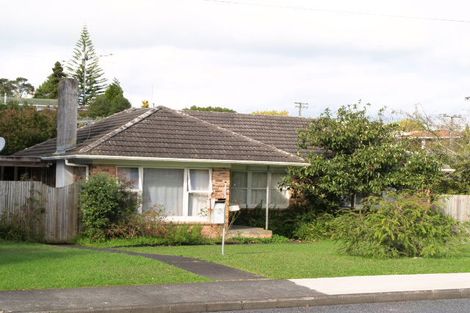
(39, 266)
(310, 260)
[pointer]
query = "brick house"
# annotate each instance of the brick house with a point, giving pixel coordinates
(181, 161)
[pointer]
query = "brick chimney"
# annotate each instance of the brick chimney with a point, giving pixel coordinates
(67, 115)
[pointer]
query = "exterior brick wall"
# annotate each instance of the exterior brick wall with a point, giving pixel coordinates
(221, 186)
(110, 169)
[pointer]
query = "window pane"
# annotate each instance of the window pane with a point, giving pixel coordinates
(164, 188)
(199, 180)
(238, 196)
(279, 199)
(258, 198)
(198, 204)
(129, 174)
(238, 179)
(259, 180)
(276, 179)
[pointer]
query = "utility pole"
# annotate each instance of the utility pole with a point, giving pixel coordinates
(300, 106)
(451, 126)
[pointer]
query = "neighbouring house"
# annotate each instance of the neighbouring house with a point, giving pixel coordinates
(180, 161)
(426, 137)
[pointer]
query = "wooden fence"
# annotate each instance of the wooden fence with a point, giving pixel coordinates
(50, 212)
(457, 206)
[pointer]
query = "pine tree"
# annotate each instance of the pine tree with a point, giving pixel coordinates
(49, 88)
(85, 69)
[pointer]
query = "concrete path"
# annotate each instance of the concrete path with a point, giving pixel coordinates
(385, 283)
(211, 270)
(239, 295)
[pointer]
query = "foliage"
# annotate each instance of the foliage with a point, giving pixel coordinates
(410, 124)
(281, 222)
(112, 101)
(19, 87)
(105, 201)
(322, 227)
(50, 88)
(351, 154)
(24, 126)
(25, 224)
(399, 225)
(210, 109)
(272, 113)
(85, 69)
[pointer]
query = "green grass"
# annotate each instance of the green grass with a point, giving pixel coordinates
(38, 266)
(309, 260)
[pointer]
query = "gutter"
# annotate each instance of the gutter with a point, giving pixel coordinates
(87, 168)
(180, 160)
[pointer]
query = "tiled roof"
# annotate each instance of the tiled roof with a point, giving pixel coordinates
(85, 135)
(165, 133)
(278, 131)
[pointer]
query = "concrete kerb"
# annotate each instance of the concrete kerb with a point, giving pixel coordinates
(322, 300)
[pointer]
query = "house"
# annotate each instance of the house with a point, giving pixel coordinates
(181, 161)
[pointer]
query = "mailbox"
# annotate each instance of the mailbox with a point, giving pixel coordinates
(218, 212)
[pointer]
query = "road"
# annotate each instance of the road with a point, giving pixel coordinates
(434, 306)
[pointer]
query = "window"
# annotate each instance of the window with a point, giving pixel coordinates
(163, 188)
(130, 175)
(248, 189)
(178, 192)
(198, 192)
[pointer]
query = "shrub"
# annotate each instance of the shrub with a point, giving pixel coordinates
(281, 222)
(146, 224)
(398, 225)
(105, 201)
(321, 227)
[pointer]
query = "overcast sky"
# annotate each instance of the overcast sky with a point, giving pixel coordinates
(255, 54)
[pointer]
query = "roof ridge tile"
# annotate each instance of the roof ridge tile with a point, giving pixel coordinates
(235, 133)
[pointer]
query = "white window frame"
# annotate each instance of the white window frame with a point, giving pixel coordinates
(268, 189)
(139, 188)
(186, 192)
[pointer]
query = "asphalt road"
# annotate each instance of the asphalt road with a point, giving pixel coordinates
(435, 306)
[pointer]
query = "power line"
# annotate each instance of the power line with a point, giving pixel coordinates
(346, 12)
(300, 106)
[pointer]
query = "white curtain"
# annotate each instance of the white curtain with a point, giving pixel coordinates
(163, 188)
(259, 181)
(279, 197)
(198, 192)
(129, 174)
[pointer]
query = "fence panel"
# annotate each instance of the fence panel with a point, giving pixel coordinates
(457, 206)
(51, 211)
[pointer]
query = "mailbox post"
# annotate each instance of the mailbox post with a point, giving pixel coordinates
(219, 216)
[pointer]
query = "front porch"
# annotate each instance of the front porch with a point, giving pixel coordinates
(238, 231)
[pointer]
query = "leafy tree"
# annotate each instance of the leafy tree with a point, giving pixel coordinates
(24, 126)
(49, 88)
(351, 154)
(410, 124)
(112, 101)
(210, 109)
(272, 113)
(6, 87)
(85, 69)
(19, 87)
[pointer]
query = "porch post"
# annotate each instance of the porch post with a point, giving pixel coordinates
(268, 184)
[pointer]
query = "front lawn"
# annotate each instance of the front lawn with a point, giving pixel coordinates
(38, 266)
(309, 260)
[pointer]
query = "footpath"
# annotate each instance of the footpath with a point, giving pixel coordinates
(240, 294)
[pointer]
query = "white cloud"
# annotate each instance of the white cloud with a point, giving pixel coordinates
(252, 57)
